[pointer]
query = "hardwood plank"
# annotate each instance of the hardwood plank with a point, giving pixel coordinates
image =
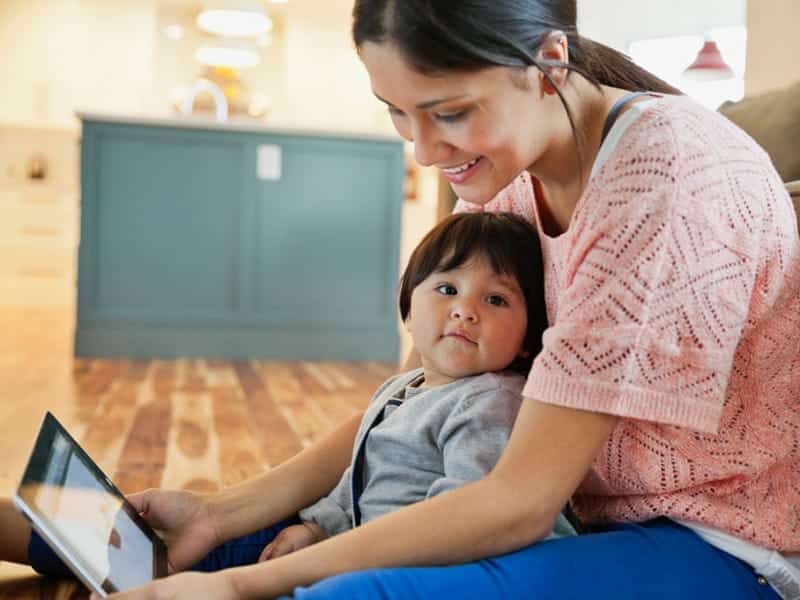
(144, 454)
(240, 455)
(293, 390)
(278, 439)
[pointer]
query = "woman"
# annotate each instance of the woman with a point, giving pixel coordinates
(664, 401)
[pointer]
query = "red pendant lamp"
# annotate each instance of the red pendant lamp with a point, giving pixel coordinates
(709, 64)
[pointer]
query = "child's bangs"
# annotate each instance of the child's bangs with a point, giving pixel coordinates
(470, 240)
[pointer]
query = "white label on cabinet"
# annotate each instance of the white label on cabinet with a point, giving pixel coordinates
(268, 163)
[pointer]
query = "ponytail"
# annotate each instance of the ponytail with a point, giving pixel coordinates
(603, 65)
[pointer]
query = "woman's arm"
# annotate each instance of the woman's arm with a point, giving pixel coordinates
(550, 450)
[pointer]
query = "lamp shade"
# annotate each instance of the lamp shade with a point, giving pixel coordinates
(709, 64)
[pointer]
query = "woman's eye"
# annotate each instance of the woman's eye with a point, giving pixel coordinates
(446, 289)
(497, 301)
(450, 117)
(395, 112)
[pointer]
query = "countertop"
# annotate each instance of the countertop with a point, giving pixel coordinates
(233, 124)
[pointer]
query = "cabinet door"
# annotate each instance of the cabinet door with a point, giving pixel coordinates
(327, 238)
(161, 225)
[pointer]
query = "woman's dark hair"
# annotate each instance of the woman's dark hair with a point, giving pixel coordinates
(508, 242)
(437, 36)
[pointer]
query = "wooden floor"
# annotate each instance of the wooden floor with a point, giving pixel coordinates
(190, 424)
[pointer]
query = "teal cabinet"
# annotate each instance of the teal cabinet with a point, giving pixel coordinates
(186, 251)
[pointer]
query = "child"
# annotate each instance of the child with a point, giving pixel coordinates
(472, 299)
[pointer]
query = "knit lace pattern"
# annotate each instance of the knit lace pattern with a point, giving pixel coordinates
(674, 302)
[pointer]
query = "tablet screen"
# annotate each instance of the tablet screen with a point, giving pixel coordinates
(85, 514)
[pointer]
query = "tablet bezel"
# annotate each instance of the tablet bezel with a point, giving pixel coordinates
(48, 431)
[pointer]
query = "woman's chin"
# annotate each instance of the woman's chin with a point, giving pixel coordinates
(471, 194)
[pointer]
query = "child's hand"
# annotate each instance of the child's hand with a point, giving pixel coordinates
(293, 538)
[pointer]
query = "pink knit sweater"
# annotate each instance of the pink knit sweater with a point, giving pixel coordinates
(674, 302)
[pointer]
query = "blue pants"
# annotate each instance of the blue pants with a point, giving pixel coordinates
(657, 560)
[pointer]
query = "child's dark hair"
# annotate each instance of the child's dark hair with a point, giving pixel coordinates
(508, 242)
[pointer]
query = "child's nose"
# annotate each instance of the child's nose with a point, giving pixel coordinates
(465, 311)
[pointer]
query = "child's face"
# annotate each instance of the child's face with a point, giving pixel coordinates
(467, 321)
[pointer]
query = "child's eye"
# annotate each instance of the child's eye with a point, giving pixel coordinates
(446, 289)
(497, 301)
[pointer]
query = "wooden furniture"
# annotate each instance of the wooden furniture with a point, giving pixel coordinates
(195, 242)
(38, 217)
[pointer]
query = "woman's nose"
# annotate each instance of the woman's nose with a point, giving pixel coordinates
(427, 146)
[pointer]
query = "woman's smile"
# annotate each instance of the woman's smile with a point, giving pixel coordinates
(460, 173)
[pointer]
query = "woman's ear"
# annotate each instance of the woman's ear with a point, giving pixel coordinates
(553, 53)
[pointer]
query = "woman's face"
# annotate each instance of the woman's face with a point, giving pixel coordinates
(481, 129)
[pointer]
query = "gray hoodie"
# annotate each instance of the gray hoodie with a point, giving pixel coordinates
(426, 441)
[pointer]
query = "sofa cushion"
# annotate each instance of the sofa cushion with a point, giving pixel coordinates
(773, 121)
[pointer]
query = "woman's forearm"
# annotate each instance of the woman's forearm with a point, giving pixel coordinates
(466, 524)
(549, 453)
(287, 488)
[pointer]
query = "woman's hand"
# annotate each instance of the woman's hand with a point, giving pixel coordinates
(183, 586)
(293, 538)
(185, 521)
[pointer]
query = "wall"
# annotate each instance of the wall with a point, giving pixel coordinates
(326, 82)
(63, 54)
(620, 22)
(106, 56)
(773, 45)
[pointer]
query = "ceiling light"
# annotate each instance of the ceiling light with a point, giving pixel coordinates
(228, 54)
(235, 19)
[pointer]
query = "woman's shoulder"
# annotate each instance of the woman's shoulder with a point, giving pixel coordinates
(680, 157)
(680, 128)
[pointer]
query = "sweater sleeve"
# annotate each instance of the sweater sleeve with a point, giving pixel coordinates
(657, 283)
(474, 436)
(333, 513)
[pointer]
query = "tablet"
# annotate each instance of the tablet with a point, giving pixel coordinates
(84, 518)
